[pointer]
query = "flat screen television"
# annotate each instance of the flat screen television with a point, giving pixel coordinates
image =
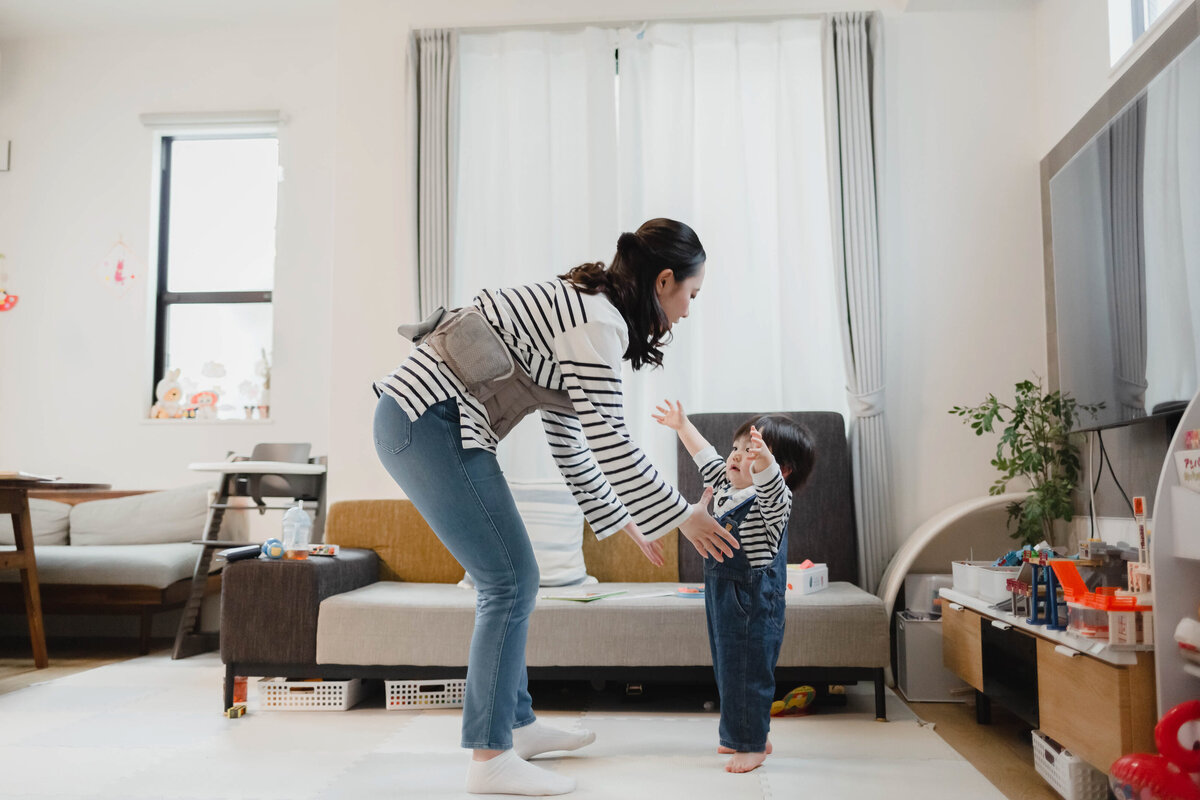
(1125, 244)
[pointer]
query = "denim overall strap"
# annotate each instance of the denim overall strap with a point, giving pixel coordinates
(737, 566)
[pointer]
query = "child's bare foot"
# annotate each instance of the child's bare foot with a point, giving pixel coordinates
(744, 762)
(727, 750)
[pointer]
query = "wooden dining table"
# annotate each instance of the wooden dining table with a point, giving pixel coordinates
(14, 500)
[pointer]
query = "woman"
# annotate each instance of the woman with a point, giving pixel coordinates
(556, 346)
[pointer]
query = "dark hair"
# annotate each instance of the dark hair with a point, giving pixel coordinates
(629, 281)
(790, 442)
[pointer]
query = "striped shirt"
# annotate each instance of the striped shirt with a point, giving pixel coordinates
(565, 340)
(761, 531)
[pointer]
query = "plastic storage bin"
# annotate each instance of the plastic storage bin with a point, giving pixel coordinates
(415, 695)
(920, 675)
(281, 694)
(1068, 774)
(992, 582)
(966, 576)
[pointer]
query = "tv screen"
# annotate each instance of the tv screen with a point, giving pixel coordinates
(1125, 228)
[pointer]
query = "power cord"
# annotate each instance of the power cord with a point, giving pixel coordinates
(1112, 472)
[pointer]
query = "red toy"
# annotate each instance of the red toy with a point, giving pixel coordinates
(1174, 775)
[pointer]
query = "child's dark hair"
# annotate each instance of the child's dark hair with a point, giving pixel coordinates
(790, 442)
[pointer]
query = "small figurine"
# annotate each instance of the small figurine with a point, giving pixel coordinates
(205, 404)
(168, 391)
(273, 549)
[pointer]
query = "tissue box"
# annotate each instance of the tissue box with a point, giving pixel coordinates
(807, 580)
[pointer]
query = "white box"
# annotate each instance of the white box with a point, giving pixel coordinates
(281, 694)
(436, 693)
(1068, 774)
(807, 581)
(966, 577)
(991, 583)
(920, 675)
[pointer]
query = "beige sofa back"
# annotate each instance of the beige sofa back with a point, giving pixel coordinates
(409, 551)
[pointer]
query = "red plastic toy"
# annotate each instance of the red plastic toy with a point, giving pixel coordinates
(1174, 775)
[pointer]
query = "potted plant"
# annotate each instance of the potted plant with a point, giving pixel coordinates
(1036, 444)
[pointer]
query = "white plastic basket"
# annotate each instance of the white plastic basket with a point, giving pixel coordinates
(281, 694)
(1068, 774)
(411, 695)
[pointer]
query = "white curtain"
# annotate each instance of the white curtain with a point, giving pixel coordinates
(851, 51)
(1171, 207)
(536, 188)
(722, 126)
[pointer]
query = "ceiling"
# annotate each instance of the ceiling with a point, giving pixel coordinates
(31, 18)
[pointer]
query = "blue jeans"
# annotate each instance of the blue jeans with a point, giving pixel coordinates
(745, 608)
(464, 497)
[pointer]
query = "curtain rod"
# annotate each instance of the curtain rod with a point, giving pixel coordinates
(623, 23)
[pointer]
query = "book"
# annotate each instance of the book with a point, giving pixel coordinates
(583, 597)
(12, 474)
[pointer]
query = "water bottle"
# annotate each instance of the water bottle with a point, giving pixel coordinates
(297, 530)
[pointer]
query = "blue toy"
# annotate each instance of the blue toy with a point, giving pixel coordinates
(273, 549)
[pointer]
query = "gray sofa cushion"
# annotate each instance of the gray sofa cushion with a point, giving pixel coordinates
(429, 624)
(822, 526)
(49, 520)
(155, 565)
(173, 515)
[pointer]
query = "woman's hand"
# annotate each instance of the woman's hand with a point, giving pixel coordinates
(759, 452)
(653, 551)
(705, 533)
(672, 416)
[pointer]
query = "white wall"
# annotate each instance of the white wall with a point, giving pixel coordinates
(75, 356)
(964, 93)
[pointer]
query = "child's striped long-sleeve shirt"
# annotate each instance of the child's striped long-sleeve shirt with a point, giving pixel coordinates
(763, 527)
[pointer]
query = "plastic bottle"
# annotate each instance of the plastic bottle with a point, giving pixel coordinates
(297, 530)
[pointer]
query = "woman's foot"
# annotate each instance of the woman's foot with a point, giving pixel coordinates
(744, 762)
(727, 750)
(509, 774)
(534, 739)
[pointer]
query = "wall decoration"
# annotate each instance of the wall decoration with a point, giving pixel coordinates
(116, 270)
(7, 301)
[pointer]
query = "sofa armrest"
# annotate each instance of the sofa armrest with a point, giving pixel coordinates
(269, 608)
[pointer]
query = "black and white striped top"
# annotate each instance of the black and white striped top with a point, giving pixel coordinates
(566, 340)
(763, 527)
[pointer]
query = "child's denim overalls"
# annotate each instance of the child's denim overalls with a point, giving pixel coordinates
(745, 608)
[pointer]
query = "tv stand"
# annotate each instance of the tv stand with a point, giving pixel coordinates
(1095, 699)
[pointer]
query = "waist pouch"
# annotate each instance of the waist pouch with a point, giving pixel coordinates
(473, 350)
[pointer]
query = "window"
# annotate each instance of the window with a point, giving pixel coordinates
(1128, 21)
(216, 272)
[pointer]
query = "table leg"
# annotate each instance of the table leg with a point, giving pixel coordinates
(23, 535)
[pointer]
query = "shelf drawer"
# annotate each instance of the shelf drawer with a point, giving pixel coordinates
(961, 650)
(1098, 711)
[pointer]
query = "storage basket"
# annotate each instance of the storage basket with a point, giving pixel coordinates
(281, 694)
(1068, 774)
(425, 694)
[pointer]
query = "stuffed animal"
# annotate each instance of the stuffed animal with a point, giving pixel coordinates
(168, 391)
(205, 404)
(794, 703)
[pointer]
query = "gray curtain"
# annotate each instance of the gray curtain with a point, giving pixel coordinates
(851, 47)
(1122, 156)
(433, 66)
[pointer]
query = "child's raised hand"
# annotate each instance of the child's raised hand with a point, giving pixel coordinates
(759, 451)
(672, 416)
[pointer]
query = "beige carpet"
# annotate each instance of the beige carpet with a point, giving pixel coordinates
(152, 728)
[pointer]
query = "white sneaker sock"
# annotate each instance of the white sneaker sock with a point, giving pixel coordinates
(536, 738)
(507, 773)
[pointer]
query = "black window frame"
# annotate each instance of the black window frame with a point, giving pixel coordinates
(165, 299)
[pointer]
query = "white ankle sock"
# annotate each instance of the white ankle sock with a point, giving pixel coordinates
(536, 738)
(507, 773)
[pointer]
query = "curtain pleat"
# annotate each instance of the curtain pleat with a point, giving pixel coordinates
(849, 83)
(436, 67)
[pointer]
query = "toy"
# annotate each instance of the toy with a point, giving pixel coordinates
(168, 391)
(794, 703)
(236, 711)
(205, 404)
(272, 549)
(1174, 775)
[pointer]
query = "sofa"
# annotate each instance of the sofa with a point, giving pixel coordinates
(112, 552)
(391, 605)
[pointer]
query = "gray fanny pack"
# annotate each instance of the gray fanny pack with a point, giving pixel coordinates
(473, 350)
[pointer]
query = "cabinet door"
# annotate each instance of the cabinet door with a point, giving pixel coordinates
(961, 652)
(1096, 710)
